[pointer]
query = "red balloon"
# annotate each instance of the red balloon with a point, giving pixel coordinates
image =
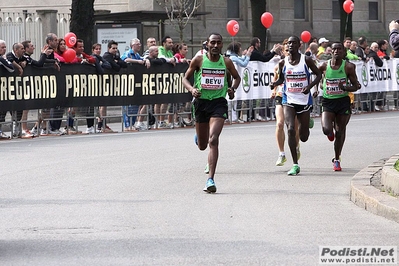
(306, 36)
(69, 55)
(232, 27)
(70, 39)
(266, 19)
(348, 6)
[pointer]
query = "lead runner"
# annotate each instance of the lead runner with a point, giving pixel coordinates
(211, 78)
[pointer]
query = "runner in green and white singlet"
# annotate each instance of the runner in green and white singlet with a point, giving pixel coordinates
(211, 84)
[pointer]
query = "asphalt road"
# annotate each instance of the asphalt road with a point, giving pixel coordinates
(137, 199)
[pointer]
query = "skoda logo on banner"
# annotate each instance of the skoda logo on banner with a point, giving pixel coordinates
(246, 80)
(397, 74)
(365, 76)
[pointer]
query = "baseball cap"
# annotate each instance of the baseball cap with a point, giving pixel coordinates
(322, 39)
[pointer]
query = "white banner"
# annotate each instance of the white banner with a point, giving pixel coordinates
(257, 76)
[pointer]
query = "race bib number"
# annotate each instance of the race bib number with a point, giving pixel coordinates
(212, 79)
(332, 87)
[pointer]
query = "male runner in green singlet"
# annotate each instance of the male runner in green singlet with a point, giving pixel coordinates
(210, 87)
(336, 102)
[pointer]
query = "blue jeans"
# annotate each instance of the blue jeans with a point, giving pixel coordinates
(127, 111)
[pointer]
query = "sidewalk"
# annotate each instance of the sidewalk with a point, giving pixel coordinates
(372, 198)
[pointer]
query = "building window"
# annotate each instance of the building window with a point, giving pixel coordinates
(299, 9)
(373, 10)
(233, 9)
(336, 10)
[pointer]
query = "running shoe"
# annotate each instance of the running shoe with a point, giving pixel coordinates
(210, 186)
(294, 170)
(196, 139)
(281, 160)
(206, 171)
(336, 165)
(331, 136)
(311, 123)
(298, 152)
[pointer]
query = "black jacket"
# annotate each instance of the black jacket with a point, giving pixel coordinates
(257, 56)
(116, 62)
(377, 60)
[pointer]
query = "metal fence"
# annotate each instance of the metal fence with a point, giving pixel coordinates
(21, 26)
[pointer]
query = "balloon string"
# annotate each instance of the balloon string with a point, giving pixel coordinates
(346, 24)
(266, 40)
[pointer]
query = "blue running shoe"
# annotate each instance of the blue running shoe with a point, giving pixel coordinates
(196, 139)
(210, 186)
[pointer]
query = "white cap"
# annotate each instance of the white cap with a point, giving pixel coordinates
(321, 40)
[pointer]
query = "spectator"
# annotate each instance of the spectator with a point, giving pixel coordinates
(117, 63)
(394, 36)
(234, 51)
(379, 106)
(150, 42)
(59, 51)
(29, 49)
(100, 62)
(327, 55)
(52, 113)
(132, 56)
(313, 50)
(362, 44)
(352, 48)
(203, 50)
(83, 58)
(394, 42)
(165, 51)
(180, 52)
(362, 54)
(19, 62)
(10, 68)
(256, 55)
(382, 49)
(350, 55)
(323, 43)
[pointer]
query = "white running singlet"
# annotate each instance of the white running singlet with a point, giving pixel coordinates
(296, 78)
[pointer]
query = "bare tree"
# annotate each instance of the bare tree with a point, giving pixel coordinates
(180, 12)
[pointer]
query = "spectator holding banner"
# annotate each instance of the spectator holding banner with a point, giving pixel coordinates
(112, 57)
(100, 65)
(16, 57)
(10, 68)
(132, 56)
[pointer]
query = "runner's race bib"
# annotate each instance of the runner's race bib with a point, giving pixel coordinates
(212, 79)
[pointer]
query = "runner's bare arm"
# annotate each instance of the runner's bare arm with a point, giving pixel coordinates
(350, 70)
(310, 63)
(194, 66)
(280, 75)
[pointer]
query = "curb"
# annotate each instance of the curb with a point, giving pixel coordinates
(370, 198)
